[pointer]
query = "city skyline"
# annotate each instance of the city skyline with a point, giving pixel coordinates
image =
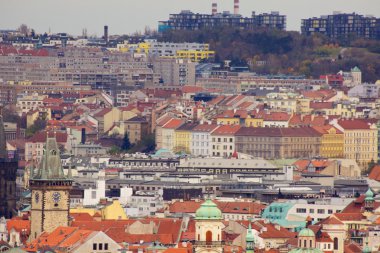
(74, 16)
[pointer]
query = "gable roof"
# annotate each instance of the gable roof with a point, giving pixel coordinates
(375, 173)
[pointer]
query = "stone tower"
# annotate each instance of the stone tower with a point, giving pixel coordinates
(8, 169)
(50, 192)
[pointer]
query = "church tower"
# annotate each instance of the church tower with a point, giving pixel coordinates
(50, 192)
(208, 228)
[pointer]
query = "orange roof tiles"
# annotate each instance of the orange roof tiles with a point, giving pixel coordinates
(350, 124)
(173, 124)
(226, 130)
(375, 173)
(18, 225)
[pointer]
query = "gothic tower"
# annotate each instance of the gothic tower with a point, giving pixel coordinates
(50, 192)
(8, 169)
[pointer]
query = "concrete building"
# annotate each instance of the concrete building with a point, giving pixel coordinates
(175, 72)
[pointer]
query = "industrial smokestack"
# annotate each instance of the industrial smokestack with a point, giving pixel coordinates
(106, 33)
(236, 7)
(214, 8)
(83, 137)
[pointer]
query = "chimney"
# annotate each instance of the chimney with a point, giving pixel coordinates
(106, 33)
(214, 8)
(236, 7)
(83, 139)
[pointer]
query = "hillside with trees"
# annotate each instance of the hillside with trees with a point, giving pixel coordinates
(274, 51)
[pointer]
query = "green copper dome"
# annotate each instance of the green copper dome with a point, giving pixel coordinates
(366, 249)
(208, 211)
(306, 232)
(355, 69)
(369, 195)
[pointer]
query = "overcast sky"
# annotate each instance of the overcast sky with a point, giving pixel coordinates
(127, 16)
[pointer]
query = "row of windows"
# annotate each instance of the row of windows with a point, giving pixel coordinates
(100, 246)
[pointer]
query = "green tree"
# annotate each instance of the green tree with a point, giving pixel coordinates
(126, 143)
(38, 125)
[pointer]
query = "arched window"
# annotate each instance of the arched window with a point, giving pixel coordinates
(335, 243)
(199, 237)
(311, 243)
(304, 243)
(209, 236)
(53, 152)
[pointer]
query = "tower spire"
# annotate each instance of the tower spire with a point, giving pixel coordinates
(50, 166)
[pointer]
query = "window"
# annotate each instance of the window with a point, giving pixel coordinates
(106, 246)
(94, 246)
(321, 211)
(301, 210)
(100, 246)
(311, 210)
(330, 211)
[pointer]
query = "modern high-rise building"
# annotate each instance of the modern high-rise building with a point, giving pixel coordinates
(187, 20)
(341, 25)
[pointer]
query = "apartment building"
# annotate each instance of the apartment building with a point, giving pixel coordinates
(223, 140)
(278, 143)
(201, 139)
(360, 140)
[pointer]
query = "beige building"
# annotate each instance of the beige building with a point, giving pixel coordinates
(106, 118)
(278, 143)
(360, 140)
(29, 102)
(223, 140)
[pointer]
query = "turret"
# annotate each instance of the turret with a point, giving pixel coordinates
(369, 200)
(250, 239)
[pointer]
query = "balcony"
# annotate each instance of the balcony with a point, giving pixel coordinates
(208, 244)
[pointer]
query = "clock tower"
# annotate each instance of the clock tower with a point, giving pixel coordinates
(50, 192)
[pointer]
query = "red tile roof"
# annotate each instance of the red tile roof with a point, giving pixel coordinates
(173, 124)
(277, 116)
(41, 137)
(352, 124)
(375, 173)
(226, 130)
(18, 225)
(321, 105)
(102, 112)
(225, 207)
(191, 89)
(81, 217)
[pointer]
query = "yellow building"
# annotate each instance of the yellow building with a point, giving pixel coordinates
(106, 118)
(195, 55)
(360, 140)
(113, 211)
(183, 138)
(252, 121)
(332, 141)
